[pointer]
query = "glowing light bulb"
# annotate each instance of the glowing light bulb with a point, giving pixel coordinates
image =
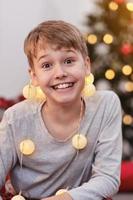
(89, 79)
(126, 70)
(29, 91)
(79, 141)
(129, 6)
(61, 191)
(127, 119)
(108, 38)
(39, 94)
(129, 86)
(27, 147)
(110, 74)
(17, 197)
(113, 6)
(92, 39)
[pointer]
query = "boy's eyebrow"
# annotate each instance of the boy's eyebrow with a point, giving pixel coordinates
(69, 50)
(43, 56)
(65, 50)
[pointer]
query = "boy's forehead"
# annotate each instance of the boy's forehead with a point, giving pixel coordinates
(46, 47)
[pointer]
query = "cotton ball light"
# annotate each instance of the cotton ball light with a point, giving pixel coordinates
(18, 197)
(79, 141)
(27, 147)
(61, 191)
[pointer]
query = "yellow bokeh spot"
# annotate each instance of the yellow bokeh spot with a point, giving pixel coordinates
(108, 38)
(127, 119)
(92, 39)
(113, 6)
(129, 86)
(110, 74)
(130, 6)
(127, 70)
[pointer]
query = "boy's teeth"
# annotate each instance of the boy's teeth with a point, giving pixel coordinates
(62, 86)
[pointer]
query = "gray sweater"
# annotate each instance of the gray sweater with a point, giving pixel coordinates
(91, 175)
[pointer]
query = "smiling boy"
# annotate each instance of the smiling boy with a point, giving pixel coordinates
(76, 141)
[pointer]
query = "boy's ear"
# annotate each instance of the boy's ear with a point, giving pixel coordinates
(87, 65)
(33, 77)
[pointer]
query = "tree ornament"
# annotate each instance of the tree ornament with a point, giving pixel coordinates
(126, 49)
(61, 191)
(27, 147)
(79, 141)
(18, 197)
(34, 93)
(89, 89)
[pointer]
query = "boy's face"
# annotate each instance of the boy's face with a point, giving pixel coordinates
(60, 73)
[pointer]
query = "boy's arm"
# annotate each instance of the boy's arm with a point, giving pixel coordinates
(64, 196)
(6, 151)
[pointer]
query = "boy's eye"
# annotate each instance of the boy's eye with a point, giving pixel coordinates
(46, 65)
(68, 61)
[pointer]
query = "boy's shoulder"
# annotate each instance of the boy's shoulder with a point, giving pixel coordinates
(107, 94)
(104, 97)
(22, 109)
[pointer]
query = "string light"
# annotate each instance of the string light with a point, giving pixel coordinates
(92, 39)
(108, 38)
(113, 6)
(129, 86)
(127, 119)
(110, 74)
(126, 70)
(129, 6)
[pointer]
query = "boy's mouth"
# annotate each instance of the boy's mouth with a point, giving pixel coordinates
(63, 85)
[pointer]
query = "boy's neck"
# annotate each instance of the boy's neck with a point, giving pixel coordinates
(62, 113)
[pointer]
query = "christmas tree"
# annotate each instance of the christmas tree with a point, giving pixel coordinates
(110, 45)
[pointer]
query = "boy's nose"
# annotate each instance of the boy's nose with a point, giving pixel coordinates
(60, 71)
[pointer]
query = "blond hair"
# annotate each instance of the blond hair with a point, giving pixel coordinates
(54, 32)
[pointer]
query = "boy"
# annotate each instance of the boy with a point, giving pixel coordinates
(67, 141)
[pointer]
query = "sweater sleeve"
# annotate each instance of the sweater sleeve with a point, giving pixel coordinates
(7, 150)
(105, 177)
